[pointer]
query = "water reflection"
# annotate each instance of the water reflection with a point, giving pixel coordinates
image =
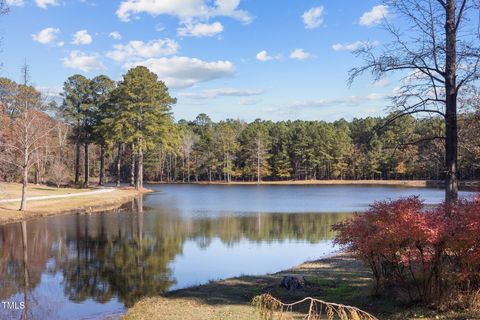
(108, 261)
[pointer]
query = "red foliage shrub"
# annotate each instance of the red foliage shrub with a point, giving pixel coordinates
(424, 252)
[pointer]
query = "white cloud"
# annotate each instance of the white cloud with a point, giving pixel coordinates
(381, 83)
(222, 92)
(344, 101)
(200, 30)
(83, 61)
(45, 3)
(374, 16)
(46, 35)
(115, 35)
(352, 46)
(248, 102)
(299, 54)
(159, 27)
(264, 56)
(185, 10)
(15, 3)
(50, 92)
(136, 50)
(313, 18)
(185, 72)
(82, 37)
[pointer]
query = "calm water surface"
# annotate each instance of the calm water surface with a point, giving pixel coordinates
(88, 266)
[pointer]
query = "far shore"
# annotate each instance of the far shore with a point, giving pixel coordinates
(406, 183)
(77, 203)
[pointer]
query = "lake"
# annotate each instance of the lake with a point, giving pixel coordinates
(88, 266)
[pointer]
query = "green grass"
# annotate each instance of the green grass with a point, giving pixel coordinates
(340, 279)
(333, 290)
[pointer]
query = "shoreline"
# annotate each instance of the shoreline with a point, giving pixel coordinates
(64, 205)
(404, 183)
(339, 278)
(230, 298)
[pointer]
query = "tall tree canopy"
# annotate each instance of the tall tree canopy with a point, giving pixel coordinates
(436, 44)
(76, 110)
(144, 112)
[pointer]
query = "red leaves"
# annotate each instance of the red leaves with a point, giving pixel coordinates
(425, 251)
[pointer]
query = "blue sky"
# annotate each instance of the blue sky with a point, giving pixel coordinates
(243, 59)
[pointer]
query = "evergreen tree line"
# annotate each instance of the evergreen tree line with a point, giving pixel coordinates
(362, 149)
(110, 131)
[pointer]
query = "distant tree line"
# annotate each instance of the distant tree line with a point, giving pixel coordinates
(124, 131)
(232, 150)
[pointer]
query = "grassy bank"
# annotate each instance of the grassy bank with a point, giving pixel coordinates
(340, 279)
(406, 183)
(78, 203)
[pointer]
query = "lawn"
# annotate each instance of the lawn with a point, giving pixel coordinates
(76, 204)
(14, 190)
(340, 279)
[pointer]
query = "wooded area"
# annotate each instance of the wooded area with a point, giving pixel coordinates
(117, 129)
(102, 125)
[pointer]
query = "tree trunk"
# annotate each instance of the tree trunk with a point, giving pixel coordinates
(188, 168)
(258, 168)
(77, 155)
(139, 182)
(451, 130)
(86, 166)
(229, 174)
(77, 163)
(174, 167)
(183, 169)
(101, 180)
(35, 175)
(23, 205)
(119, 163)
(26, 280)
(132, 167)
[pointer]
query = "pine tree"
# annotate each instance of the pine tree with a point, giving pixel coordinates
(144, 112)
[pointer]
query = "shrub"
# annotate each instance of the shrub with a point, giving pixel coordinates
(424, 253)
(59, 173)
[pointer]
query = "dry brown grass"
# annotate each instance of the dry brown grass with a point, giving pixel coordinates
(75, 204)
(271, 308)
(340, 279)
(13, 190)
(165, 309)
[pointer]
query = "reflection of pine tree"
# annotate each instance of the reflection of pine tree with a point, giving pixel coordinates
(121, 255)
(127, 263)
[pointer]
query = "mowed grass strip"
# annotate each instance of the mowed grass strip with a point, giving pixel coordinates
(14, 190)
(88, 203)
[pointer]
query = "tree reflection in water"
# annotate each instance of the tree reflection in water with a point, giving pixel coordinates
(127, 255)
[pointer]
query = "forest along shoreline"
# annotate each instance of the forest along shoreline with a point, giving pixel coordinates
(76, 204)
(96, 203)
(406, 183)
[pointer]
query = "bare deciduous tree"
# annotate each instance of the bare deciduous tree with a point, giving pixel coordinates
(58, 173)
(261, 152)
(189, 140)
(26, 132)
(437, 46)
